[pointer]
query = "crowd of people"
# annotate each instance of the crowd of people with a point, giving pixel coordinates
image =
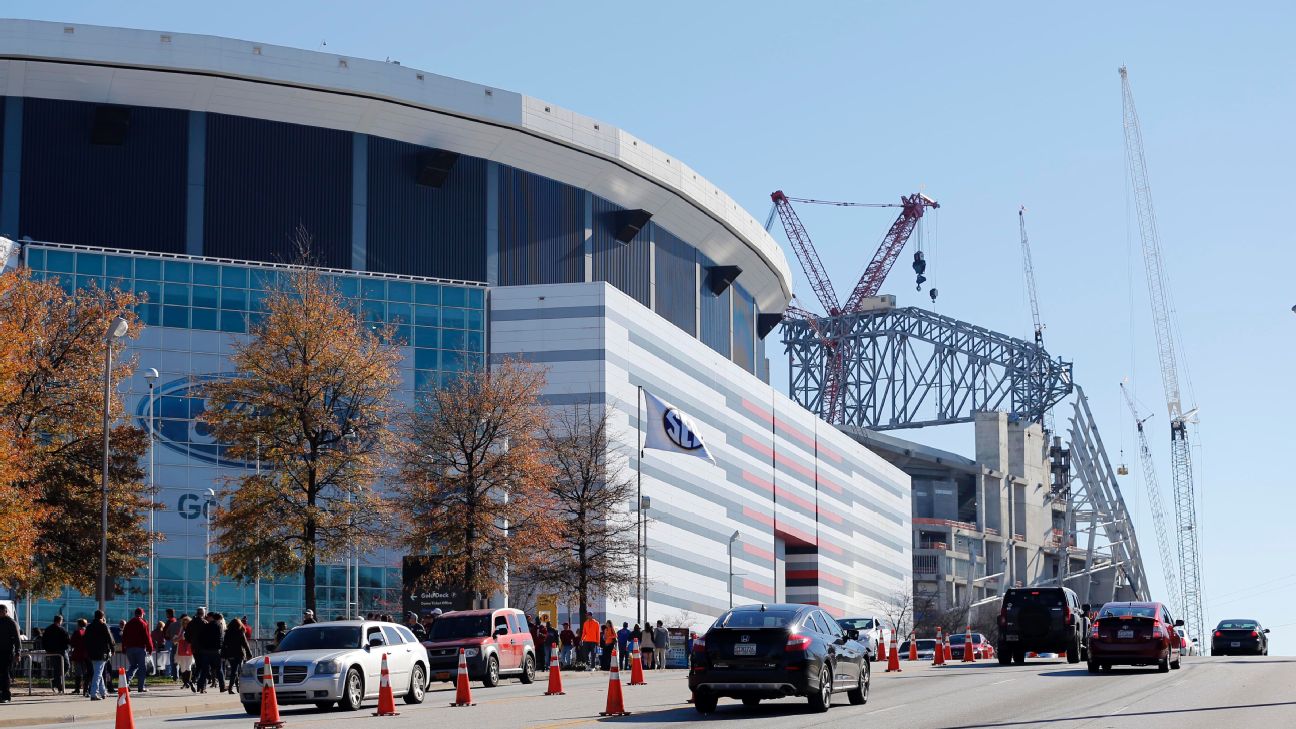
(592, 647)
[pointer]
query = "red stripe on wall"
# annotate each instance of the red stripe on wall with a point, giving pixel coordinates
(757, 446)
(752, 478)
(830, 486)
(758, 552)
(757, 587)
(830, 547)
(751, 513)
(759, 411)
(832, 516)
(800, 501)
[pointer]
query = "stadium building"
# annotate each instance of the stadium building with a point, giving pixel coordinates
(486, 224)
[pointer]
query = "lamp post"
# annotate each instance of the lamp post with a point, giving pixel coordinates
(256, 585)
(211, 498)
(116, 331)
(645, 502)
(151, 376)
(733, 538)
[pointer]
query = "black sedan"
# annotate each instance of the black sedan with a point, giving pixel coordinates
(759, 652)
(1240, 638)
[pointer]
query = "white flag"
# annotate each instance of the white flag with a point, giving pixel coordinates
(667, 428)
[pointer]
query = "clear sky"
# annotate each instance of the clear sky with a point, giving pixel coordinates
(985, 106)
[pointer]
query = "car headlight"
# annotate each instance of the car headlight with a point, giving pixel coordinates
(470, 652)
(328, 667)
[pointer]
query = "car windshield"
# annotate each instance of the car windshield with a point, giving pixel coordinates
(1127, 611)
(323, 637)
(959, 638)
(1238, 625)
(1038, 598)
(756, 619)
(453, 627)
(856, 623)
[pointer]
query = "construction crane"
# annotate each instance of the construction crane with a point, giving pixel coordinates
(1185, 497)
(1168, 564)
(912, 209)
(1040, 365)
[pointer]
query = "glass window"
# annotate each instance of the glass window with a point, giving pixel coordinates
(206, 273)
(398, 291)
(425, 359)
(256, 300)
(405, 634)
(476, 298)
(451, 360)
(454, 296)
(176, 271)
(426, 337)
(148, 268)
(453, 318)
(235, 299)
(175, 294)
(205, 319)
(401, 335)
(234, 276)
(118, 266)
(208, 296)
(150, 314)
(373, 311)
(60, 261)
(399, 313)
(424, 380)
(452, 339)
(475, 319)
(263, 279)
(175, 316)
(830, 626)
(474, 341)
(90, 264)
(427, 316)
(85, 282)
(393, 637)
(427, 294)
(254, 318)
(170, 568)
(374, 289)
(151, 289)
(233, 321)
(36, 258)
(748, 618)
(348, 286)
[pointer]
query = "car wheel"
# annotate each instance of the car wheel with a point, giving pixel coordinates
(859, 695)
(1073, 652)
(324, 705)
(491, 679)
(252, 709)
(1092, 666)
(1163, 665)
(1175, 664)
(705, 702)
(352, 691)
(417, 685)
(822, 699)
(528, 669)
(1019, 657)
(751, 702)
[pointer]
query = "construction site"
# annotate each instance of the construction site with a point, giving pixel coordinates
(1037, 500)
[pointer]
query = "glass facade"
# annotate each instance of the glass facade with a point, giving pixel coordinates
(194, 309)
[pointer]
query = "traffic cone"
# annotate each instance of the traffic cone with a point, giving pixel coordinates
(938, 655)
(386, 700)
(913, 646)
(968, 649)
(636, 667)
(882, 646)
(125, 718)
(893, 658)
(615, 705)
(269, 704)
(555, 677)
(949, 654)
(463, 695)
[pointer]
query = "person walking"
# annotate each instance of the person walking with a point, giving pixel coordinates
(185, 655)
(235, 650)
(567, 638)
(542, 642)
(415, 627)
(80, 664)
(608, 643)
(137, 642)
(10, 649)
(308, 617)
(647, 646)
(623, 645)
(56, 647)
(589, 640)
(99, 650)
(161, 664)
(661, 639)
(281, 632)
(208, 639)
(169, 635)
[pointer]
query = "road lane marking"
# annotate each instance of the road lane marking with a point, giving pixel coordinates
(1006, 680)
(889, 708)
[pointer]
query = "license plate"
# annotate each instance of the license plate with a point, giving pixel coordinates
(443, 676)
(1013, 638)
(1235, 644)
(744, 649)
(1124, 634)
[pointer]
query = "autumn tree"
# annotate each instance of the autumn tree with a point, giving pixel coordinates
(591, 492)
(51, 406)
(312, 402)
(473, 487)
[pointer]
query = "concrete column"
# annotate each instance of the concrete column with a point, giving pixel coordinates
(589, 236)
(359, 201)
(492, 223)
(12, 173)
(196, 183)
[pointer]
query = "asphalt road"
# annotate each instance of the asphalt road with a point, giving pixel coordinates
(1207, 692)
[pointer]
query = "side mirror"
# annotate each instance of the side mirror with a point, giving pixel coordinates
(1179, 623)
(501, 630)
(376, 641)
(1085, 608)
(853, 634)
(1266, 630)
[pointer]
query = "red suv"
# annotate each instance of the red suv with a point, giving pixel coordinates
(495, 643)
(1135, 634)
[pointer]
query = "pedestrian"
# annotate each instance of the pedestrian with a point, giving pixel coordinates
(688, 648)
(567, 640)
(542, 642)
(412, 622)
(647, 646)
(555, 643)
(661, 639)
(636, 635)
(56, 647)
(589, 640)
(207, 645)
(169, 635)
(99, 650)
(623, 644)
(80, 664)
(281, 632)
(137, 642)
(235, 650)
(10, 648)
(308, 617)
(608, 645)
(185, 655)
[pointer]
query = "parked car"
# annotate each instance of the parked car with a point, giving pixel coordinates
(981, 648)
(1241, 637)
(1135, 634)
(869, 630)
(760, 652)
(338, 662)
(496, 643)
(1042, 620)
(926, 649)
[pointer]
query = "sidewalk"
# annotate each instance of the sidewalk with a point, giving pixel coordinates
(44, 708)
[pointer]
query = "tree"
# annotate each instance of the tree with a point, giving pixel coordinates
(312, 404)
(897, 610)
(51, 404)
(473, 485)
(595, 548)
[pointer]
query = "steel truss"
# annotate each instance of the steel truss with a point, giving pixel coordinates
(910, 368)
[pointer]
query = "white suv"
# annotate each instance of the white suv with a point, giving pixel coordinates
(869, 629)
(340, 661)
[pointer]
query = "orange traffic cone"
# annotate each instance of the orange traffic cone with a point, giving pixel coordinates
(893, 658)
(615, 705)
(949, 654)
(386, 700)
(269, 704)
(463, 695)
(913, 646)
(938, 655)
(125, 719)
(882, 646)
(636, 667)
(555, 677)
(968, 648)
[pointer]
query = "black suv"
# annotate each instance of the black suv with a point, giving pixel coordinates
(1042, 620)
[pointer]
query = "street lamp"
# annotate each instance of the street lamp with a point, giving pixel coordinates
(116, 331)
(733, 538)
(645, 502)
(151, 376)
(211, 498)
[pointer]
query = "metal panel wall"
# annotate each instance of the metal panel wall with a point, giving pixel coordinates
(715, 315)
(744, 329)
(675, 260)
(541, 230)
(421, 230)
(624, 265)
(264, 179)
(125, 196)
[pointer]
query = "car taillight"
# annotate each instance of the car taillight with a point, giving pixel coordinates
(699, 645)
(1255, 634)
(1219, 634)
(1157, 631)
(797, 642)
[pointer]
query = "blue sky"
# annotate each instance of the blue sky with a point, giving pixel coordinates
(985, 106)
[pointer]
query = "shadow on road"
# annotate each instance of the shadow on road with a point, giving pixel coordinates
(728, 710)
(1123, 715)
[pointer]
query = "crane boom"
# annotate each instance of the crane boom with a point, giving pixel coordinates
(806, 254)
(892, 243)
(1168, 564)
(1185, 497)
(1029, 268)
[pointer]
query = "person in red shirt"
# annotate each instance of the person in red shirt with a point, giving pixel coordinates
(138, 643)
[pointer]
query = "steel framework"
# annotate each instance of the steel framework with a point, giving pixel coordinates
(910, 368)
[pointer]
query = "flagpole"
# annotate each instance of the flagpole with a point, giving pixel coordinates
(639, 505)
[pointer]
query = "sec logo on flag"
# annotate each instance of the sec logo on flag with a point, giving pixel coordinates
(680, 430)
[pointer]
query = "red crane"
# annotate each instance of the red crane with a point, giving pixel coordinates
(912, 209)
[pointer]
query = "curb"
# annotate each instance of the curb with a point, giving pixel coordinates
(145, 712)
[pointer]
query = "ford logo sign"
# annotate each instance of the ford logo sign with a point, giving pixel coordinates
(680, 429)
(176, 425)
